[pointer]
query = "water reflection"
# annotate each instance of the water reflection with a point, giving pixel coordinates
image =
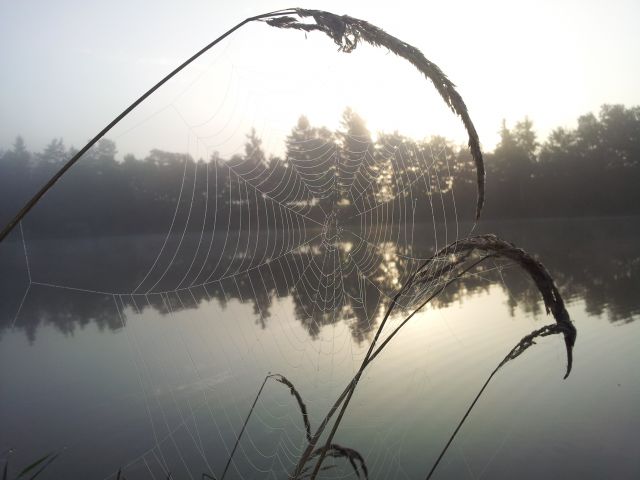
(335, 276)
(180, 379)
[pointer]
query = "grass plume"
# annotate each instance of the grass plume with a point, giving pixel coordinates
(338, 451)
(301, 405)
(334, 450)
(491, 245)
(347, 32)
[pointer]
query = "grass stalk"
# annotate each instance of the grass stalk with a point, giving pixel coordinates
(347, 32)
(456, 254)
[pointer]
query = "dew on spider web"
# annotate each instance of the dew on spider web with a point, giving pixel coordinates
(325, 224)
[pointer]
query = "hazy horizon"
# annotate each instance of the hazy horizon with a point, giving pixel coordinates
(66, 74)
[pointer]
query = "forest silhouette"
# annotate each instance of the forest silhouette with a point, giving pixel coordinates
(571, 173)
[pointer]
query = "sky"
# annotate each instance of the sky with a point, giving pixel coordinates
(68, 67)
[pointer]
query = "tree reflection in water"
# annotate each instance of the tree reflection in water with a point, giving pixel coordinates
(572, 251)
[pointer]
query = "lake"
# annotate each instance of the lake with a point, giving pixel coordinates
(119, 356)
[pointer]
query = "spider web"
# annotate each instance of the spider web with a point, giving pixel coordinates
(326, 227)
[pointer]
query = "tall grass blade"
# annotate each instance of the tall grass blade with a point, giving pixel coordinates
(244, 426)
(34, 465)
(515, 352)
(48, 460)
(69, 163)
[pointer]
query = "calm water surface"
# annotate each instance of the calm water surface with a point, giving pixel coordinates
(158, 373)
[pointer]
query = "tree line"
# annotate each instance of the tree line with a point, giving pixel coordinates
(590, 170)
